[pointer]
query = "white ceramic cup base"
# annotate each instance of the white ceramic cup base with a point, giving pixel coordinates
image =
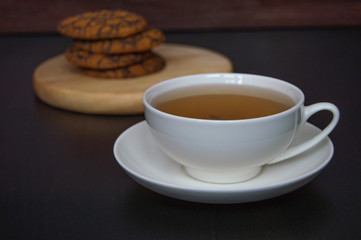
(236, 176)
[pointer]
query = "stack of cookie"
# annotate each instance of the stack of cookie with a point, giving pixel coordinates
(112, 44)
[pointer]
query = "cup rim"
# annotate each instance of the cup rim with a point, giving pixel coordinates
(148, 105)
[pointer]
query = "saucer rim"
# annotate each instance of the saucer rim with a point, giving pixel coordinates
(227, 186)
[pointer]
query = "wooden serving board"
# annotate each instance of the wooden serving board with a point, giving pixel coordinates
(58, 83)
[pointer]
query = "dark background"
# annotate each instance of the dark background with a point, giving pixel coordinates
(44, 15)
(58, 175)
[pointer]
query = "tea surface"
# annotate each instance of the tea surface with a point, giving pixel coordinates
(223, 103)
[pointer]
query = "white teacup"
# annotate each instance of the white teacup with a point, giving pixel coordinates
(227, 151)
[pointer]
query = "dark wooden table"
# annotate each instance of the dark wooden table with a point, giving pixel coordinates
(59, 178)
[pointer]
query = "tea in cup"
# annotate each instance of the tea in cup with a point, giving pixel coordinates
(223, 127)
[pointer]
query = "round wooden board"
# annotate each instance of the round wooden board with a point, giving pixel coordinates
(58, 83)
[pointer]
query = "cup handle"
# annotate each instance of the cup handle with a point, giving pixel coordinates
(308, 112)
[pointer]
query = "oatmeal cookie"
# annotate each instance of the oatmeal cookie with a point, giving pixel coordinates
(102, 24)
(139, 42)
(91, 60)
(152, 64)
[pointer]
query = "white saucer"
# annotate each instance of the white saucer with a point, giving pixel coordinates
(139, 155)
